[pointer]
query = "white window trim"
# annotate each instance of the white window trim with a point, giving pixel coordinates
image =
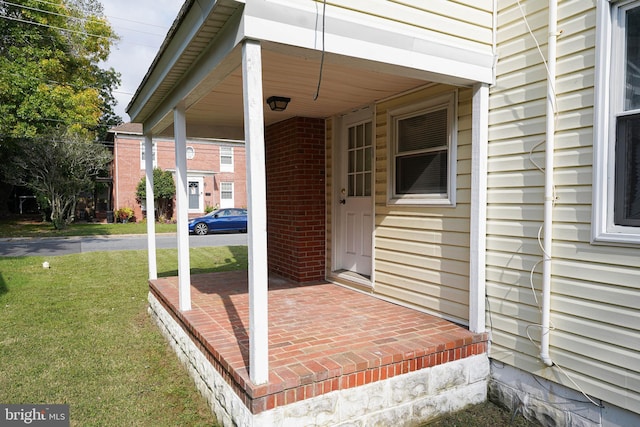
(450, 100)
(143, 164)
(225, 167)
(603, 228)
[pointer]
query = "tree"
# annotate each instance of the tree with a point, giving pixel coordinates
(58, 169)
(49, 67)
(51, 82)
(164, 189)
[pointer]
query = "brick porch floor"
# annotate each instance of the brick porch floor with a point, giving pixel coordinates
(322, 337)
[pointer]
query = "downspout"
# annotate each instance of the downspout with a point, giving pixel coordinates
(549, 191)
(117, 186)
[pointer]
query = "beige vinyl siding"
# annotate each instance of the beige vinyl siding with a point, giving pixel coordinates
(595, 289)
(422, 252)
(463, 23)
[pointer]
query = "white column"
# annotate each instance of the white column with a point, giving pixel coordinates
(257, 204)
(151, 208)
(182, 217)
(478, 238)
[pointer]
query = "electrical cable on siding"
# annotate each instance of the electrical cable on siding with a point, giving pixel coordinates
(554, 104)
(324, 15)
(541, 169)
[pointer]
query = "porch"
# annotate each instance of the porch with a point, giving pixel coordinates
(335, 355)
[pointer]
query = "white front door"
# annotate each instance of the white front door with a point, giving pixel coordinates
(355, 207)
(226, 195)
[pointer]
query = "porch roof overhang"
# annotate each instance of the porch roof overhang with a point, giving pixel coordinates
(365, 60)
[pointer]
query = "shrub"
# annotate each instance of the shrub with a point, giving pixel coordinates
(124, 214)
(209, 208)
(164, 189)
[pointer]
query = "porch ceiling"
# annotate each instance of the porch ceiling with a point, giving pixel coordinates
(291, 72)
(200, 65)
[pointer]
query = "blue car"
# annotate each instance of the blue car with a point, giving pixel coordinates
(222, 220)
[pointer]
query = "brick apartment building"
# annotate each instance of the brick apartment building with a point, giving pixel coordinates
(216, 169)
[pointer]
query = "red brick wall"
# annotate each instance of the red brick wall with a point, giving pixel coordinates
(127, 173)
(295, 162)
(127, 170)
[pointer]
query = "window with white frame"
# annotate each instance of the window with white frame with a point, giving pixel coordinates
(226, 159)
(423, 153)
(142, 158)
(616, 204)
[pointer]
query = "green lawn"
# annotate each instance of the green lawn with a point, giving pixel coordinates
(33, 227)
(79, 333)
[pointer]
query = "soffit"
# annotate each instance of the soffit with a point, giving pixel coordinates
(191, 32)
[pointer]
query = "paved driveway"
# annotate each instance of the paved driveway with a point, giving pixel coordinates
(72, 245)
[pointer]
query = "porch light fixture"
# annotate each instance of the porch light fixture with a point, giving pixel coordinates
(278, 103)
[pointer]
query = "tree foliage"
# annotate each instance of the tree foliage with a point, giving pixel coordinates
(52, 87)
(49, 68)
(164, 189)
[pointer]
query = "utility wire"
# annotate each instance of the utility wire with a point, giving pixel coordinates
(78, 19)
(57, 28)
(48, 12)
(76, 86)
(112, 17)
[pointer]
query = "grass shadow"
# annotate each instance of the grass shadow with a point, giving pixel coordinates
(194, 271)
(31, 227)
(3, 286)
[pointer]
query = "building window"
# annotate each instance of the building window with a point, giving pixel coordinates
(191, 152)
(226, 159)
(423, 154)
(616, 204)
(627, 185)
(360, 154)
(142, 158)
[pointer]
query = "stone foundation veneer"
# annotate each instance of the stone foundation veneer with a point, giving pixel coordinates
(404, 400)
(550, 403)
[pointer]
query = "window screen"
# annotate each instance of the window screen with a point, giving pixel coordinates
(422, 156)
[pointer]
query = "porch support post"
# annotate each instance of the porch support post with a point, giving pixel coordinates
(151, 208)
(184, 274)
(257, 204)
(478, 242)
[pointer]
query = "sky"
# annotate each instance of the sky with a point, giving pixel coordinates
(142, 26)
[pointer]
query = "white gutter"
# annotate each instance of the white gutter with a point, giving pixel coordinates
(549, 192)
(116, 203)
